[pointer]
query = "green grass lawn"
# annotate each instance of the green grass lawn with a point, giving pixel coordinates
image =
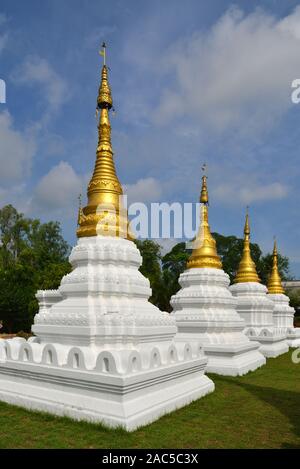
(259, 410)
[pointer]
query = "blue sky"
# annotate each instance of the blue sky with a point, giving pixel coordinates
(192, 82)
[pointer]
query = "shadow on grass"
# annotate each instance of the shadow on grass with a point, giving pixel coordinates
(287, 402)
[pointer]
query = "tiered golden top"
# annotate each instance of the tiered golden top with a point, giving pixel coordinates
(274, 282)
(104, 214)
(104, 99)
(247, 270)
(204, 253)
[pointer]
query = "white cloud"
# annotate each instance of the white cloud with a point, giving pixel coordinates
(57, 192)
(18, 147)
(16, 151)
(247, 193)
(238, 74)
(14, 195)
(272, 191)
(144, 190)
(37, 71)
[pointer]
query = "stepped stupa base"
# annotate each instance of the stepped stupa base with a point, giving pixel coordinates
(293, 337)
(233, 361)
(102, 351)
(284, 319)
(127, 400)
(272, 346)
(228, 359)
(256, 308)
(205, 313)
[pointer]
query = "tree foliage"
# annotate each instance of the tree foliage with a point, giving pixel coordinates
(230, 249)
(150, 268)
(33, 255)
(163, 271)
(294, 296)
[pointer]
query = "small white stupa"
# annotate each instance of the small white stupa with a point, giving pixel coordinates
(205, 309)
(255, 306)
(102, 352)
(283, 314)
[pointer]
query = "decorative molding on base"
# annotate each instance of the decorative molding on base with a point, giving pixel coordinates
(205, 311)
(284, 319)
(256, 308)
(102, 351)
(127, 401)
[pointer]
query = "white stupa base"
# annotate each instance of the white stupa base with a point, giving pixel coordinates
(227, 359)
(102, 351)
(271, 343)
(283, 316)
(205, 312)
(293, 337)
(256, 308)
(233, 361)
(272, 347)
(127, 401)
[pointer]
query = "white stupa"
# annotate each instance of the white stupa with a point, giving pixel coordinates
(255, 306)
(283, 314)
(102, 352)
(205, 309)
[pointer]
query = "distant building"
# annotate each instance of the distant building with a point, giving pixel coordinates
(291, 285)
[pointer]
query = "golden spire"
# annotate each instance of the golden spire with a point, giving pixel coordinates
(104, 214)
(274, 282)
(247, 270)
(204, 253)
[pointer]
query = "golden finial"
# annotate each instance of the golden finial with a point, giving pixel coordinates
(104, 213)
(204, 253)
(274, 282)
(104, 100)
(247, 270)
(204, 192)
(102, 52)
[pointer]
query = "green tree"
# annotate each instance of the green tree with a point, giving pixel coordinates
(46, 243)
(175, 260)
(164, 272)
(17, 289)
(230, 249)
(173, 264)
(151, 266)
(33, 255)
(13, 232)
(294, 296)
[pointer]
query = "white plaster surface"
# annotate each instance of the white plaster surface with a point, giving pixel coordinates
(256, 308)
(205, 311)
(283, 316)
(102, 351)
